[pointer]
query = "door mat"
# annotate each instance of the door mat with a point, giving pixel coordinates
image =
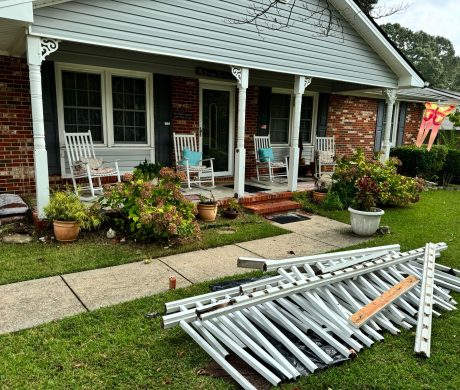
(287, 218)
(250, 188)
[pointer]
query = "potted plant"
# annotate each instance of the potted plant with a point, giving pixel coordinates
(320, 191)
(365, 217)
(232, 209)
(207, 208)
(68, 213)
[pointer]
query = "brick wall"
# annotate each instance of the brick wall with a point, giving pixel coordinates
(413, 119)
(252, 114)
(352, 121)
(16, 135)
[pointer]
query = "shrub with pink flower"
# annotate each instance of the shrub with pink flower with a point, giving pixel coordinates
(152, 212)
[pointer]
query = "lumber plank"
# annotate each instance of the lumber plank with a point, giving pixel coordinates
(378, 304)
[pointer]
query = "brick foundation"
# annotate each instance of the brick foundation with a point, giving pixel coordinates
(352, 121)
(16, 135)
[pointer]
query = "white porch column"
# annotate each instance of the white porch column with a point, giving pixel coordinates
(37, 50)
(386, 145)
(242, 76)
(301, 82)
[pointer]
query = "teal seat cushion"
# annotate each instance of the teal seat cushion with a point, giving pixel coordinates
(193, 158)
(265, 154)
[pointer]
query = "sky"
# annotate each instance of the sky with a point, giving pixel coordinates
(435, 17)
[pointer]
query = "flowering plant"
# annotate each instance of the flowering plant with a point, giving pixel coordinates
(361, 182)
(152, 212)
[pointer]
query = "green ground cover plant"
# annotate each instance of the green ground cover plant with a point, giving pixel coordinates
(119, 348)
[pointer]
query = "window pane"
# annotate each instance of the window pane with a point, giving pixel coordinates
(82, 103)
(306, 116)
(279, 118)
(69, 97)
(129, 109)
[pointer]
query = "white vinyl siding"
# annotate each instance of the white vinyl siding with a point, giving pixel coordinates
(200, 30)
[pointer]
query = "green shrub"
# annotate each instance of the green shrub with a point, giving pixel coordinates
(147, 170)
(451, 167)
(421, 162)
(152, 212)
(390, 189)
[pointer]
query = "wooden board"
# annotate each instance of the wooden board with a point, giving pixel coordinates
(378, 304)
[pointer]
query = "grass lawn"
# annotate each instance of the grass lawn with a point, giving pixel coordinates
(118, 347)
(93, 250)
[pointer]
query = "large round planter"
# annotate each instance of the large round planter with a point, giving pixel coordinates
(207, 212)
(365, 223)
(319, 197)
(66, 231)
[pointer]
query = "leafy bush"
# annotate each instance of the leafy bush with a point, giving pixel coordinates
(67, 206)
(147, 170)
(390, 189)
(152, 212)
(421, 162)
(451, 167)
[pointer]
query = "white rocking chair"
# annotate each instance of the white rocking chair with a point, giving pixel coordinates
(324, 155)
(195, 174)
(272, 167)
(84, 164)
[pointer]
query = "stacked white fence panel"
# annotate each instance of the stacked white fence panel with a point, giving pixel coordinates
(311, 297)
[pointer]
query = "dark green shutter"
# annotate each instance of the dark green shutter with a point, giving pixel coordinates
(263, 127)
(401, 123)
(162, 103)
(323, 109)
(379, 126)
(50, 118)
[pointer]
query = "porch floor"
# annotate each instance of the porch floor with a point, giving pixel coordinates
(221, 192)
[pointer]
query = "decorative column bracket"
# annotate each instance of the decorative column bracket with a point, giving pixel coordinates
(241, 75)
(390, 95)
(48, 46)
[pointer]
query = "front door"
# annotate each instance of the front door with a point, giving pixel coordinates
(216, 126)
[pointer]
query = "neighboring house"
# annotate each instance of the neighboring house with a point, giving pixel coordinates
(134, 72)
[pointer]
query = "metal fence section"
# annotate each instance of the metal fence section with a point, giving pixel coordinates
(275, 321)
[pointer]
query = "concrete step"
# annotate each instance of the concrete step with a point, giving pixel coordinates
(273, 206)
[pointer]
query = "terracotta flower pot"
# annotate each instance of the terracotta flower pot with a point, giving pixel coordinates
(66, 231)
(207, 212)
(319, 197)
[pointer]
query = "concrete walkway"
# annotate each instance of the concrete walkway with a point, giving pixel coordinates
(27, 304)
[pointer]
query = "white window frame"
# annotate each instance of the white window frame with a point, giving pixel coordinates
(314, 118)
(107, 103)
